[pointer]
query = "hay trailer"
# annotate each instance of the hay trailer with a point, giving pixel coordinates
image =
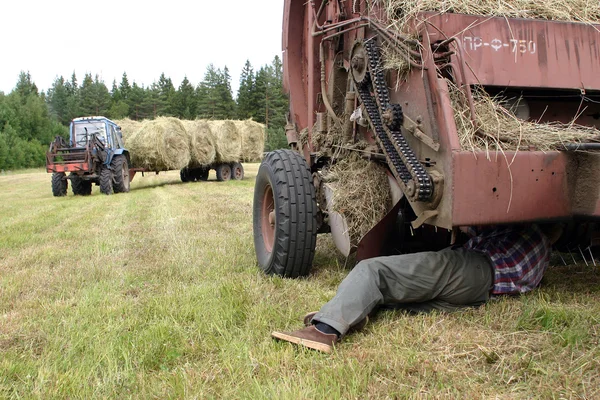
(395, 85)
(95, 154)
(224, 172)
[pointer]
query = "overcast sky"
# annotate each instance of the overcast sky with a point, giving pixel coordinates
(50, 38)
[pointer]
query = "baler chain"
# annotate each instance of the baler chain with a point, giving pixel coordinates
(407, 167)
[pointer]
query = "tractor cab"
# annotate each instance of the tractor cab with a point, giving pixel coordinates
(83, 130)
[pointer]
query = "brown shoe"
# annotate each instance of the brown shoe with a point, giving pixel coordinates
(356, 327)
(309, 337)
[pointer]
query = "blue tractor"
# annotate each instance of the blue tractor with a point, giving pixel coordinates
(95, 153)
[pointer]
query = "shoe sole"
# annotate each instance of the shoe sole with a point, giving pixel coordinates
(311, 344)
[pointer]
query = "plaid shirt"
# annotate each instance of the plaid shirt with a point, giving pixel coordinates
(519, 255)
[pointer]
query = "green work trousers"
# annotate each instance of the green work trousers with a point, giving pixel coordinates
(444, 280)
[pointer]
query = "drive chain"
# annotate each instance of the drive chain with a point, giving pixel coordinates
(405, 164)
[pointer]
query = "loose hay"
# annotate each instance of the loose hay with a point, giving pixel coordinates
(160, 145)
(202, 147)
(497, 128)
(253, 140)
(361, 193)
(227, 140)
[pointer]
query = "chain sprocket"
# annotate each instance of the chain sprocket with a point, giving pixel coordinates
(372, 88)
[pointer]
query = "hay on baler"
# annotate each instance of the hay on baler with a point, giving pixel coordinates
(403, 16)
(160, 145)
(497, 127)
(361, 193)
(227, 140)
(202, 147)
(253, 139)
(401, 12)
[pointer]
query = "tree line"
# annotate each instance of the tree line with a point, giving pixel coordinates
(30, 119)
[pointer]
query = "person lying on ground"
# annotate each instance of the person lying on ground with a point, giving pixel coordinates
(494, 261)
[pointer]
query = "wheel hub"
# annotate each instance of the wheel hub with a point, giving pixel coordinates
(268, 219)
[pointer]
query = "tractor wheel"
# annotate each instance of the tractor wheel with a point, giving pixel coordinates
(223, 172)
(120, 169)
(106, 180)
(284, 215)
(80, 186)
(59, 184)
(184, 174)
(237, 171)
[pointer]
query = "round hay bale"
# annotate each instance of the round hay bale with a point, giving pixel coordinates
(202, 147)
(253, 140)
(227, 140)
(160, 145)
(128, 127)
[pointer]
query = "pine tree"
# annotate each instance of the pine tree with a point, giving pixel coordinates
(57, 100)
(245, 99)
(166, 92)
(185, 101)
(215, 100)
(73, 100)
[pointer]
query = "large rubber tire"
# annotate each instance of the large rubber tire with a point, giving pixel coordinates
(284, 215)
(203, 174)
(59, 184)
(106, 180)
(120, 169)
(237, 171)
(223, 172)
(80, 186)
(184, 174)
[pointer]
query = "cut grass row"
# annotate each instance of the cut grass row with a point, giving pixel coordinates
(156, 294)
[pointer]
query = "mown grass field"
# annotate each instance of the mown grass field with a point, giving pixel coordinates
(156, 294)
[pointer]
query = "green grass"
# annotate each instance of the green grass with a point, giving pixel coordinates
(156, 294)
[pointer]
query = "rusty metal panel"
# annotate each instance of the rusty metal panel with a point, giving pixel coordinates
(524, 53)
(535, 186)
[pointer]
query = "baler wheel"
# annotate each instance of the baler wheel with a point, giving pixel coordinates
(120, 170)
(80, 186)
(223, 172)
(237, 171)
(59, 184)
(284, 215)
(106, 180)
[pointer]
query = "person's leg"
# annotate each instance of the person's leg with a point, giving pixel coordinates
(409, 278)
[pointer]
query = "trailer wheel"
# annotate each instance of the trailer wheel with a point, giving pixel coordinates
(59, 184)
(284, 215)
(203, 174)
(237, 171)
(80, 186)
(223, 172)
(106, 180)
(184, 174)
(120, 170)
